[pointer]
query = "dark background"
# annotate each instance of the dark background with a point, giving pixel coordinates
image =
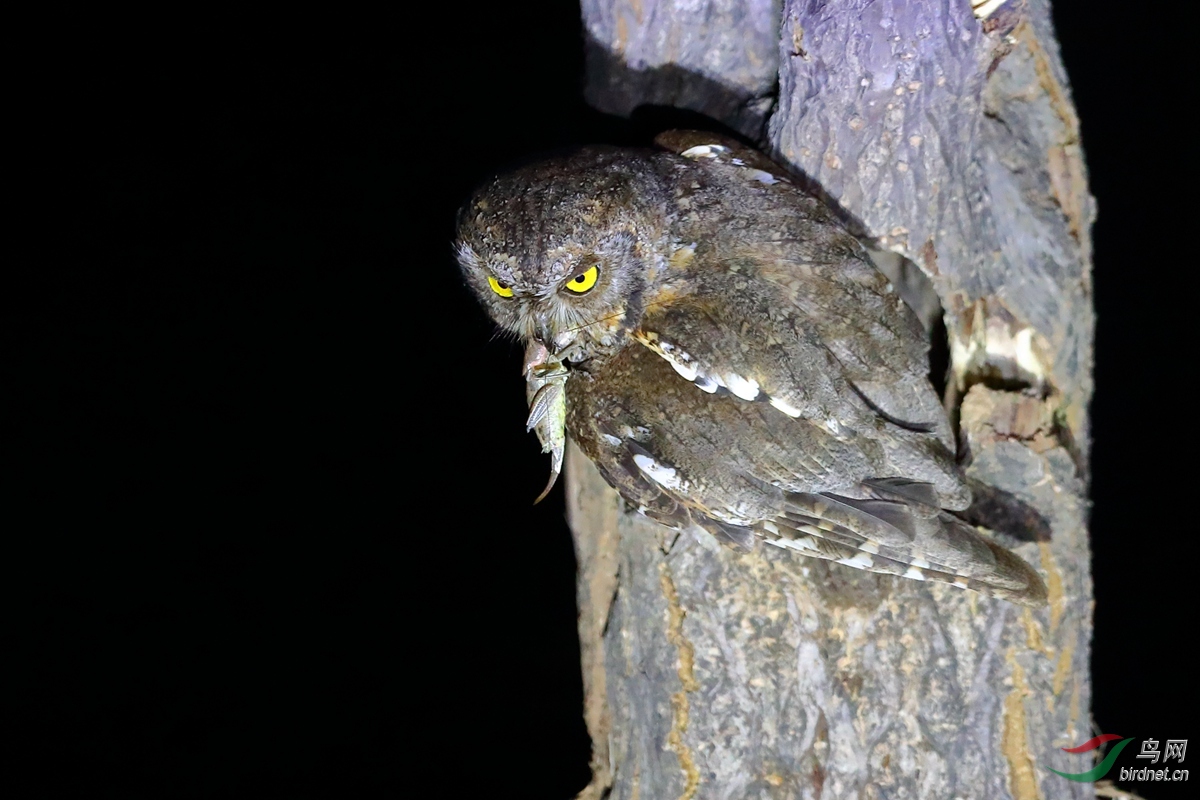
(273, 523)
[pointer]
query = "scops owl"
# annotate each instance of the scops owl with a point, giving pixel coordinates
(729, 357)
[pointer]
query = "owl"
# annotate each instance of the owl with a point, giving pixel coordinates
(729, 357)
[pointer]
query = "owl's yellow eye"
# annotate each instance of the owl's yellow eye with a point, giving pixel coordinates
(499, 288)
(584, 280)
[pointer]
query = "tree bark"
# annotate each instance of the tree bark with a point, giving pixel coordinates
(950, 141)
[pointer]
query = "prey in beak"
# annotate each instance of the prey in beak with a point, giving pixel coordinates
(545, 391)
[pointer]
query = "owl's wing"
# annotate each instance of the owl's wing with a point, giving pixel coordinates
(932, 545)
(730, 468)
(822, 283)
(750, 347)
(724, 150)
(690, 430)
(618, 459)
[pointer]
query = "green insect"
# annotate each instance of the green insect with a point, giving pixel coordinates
(545, 389)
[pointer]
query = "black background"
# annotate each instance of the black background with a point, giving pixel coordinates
(272, 524)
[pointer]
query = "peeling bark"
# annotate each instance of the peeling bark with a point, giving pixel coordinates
(951, 142)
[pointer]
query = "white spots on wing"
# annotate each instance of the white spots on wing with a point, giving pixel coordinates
(610, 439)
(739, 514)
(802, 543)
(833, 427)
(959, 584)
(705, 151)
(858, 561)
(680, 360)
(770, 527)
(671, 351)
(744, 388)
(785, 407)
(914, 574)
(920, 563)
(686, 370)
(716, 151)
(869, 547)
(687, 367)
(661, 474)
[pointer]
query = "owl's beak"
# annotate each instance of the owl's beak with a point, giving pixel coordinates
(554, 344)
(543, 337)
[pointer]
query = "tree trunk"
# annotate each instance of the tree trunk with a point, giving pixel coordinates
(949, 141)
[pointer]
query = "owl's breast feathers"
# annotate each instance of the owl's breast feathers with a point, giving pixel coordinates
(777, 389)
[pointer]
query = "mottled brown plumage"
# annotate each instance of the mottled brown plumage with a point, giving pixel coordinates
(735, 361)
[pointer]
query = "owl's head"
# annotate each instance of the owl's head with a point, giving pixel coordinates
(566, 251)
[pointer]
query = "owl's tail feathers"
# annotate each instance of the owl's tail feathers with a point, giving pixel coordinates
(894, 539)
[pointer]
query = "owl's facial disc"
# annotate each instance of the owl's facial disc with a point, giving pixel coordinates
(575, 303)
(573, 296)
(564, 253)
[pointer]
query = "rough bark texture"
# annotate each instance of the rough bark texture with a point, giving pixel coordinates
(717, 57)
(951, 142)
